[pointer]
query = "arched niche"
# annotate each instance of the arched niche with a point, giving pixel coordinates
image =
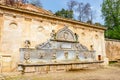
(13, 25)
(65, 34)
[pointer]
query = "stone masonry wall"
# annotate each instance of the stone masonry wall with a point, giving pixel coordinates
(113, 49)
(17, 27)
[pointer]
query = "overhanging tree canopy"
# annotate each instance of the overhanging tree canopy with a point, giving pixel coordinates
(111, 15)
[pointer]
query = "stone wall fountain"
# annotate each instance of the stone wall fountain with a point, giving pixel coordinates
(63, 47)
(62, 52)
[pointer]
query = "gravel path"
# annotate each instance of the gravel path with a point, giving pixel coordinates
(107, 73)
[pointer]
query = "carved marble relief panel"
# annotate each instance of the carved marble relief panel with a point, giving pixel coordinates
(65, 34)
(63, 46)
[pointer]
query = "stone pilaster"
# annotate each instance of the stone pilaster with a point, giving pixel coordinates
(1, 27)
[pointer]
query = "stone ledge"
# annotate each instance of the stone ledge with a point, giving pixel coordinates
(54, 64)
(64, 41)
(30, 68)
(116, 40)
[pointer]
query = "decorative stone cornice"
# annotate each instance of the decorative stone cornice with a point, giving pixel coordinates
(29, 12)
(112, 40)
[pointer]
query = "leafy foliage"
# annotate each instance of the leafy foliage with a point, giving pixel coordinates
(111, 15)
(84, 11)
(113, 33)
(65, 13)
